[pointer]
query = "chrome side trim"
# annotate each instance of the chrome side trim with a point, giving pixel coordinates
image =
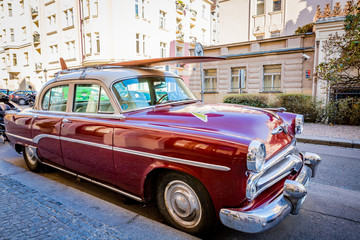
(172, 159)
(280, 155)
(41, 136)
(134, 152)
(87, 143)
(96, 115)
(95, 182)
(17, 136)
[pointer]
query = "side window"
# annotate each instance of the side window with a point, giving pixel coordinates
(91, 98)
(55, 99)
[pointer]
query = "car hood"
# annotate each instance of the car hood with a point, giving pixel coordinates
(235, 123)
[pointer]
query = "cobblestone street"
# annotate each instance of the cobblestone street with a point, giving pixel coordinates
(25, 213)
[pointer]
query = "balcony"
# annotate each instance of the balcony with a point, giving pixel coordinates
(38, 67)
(34, 12)
(13, 69)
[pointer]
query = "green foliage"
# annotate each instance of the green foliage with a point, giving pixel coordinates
(308, 28)
(301, 104)
(344, 111)
(341, 64)
(253, 100)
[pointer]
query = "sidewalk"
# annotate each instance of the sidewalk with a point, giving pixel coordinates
(336, 135)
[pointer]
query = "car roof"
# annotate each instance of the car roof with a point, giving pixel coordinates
(109, 74)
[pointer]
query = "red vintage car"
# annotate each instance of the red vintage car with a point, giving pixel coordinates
(142, 133)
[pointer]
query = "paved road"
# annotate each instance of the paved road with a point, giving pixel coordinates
(331, 211)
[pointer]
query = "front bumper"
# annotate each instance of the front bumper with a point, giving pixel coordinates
(268, 216)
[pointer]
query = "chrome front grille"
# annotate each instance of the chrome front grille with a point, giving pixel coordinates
(276, 168)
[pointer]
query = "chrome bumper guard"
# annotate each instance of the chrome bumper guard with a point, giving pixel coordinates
(266, 217)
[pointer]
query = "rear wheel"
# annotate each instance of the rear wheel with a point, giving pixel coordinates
(185, 203)
(30, 159)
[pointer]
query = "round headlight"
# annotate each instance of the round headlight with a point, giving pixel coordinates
(256, 156)
(299, 124)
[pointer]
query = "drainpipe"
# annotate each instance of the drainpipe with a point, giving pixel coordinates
(81, 32)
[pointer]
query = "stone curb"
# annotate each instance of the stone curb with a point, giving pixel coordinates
(340, 142)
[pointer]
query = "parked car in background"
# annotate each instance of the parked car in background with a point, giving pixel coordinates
(5, 91)
(142, 133)
(21, 97)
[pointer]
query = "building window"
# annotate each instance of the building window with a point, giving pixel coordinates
(52, 22)
(1, 38)
(53, 52)
(137, 43)
(272, 78)
(26, 58)
(10, 9)
(136, 8)
(143, 9)
(70, 49)
(238, 79)
(88, 49)
(260, 7)
(179, 51)
(96, 8)
(24, 30)
(69, 17)
(14, 60)
(162, 49)
(162, 19)
(210, 81)
(203, 10)
(12, 35)
(22, 6)
(97, 40)
(203, 35)
(86, 8)
(144, 44)
(276, 5)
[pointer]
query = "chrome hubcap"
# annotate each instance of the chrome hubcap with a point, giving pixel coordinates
(183, 204)
(30, 154)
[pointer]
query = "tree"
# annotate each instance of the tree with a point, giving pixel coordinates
(341, 66)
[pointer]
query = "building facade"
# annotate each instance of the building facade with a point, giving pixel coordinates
(34, 34)
(266, 56)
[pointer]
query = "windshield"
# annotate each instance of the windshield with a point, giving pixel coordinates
(138, 93)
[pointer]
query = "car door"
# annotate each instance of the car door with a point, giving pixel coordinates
(47, 121)
(87, 132)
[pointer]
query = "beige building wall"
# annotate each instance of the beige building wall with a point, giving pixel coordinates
(240, 20)
(253, 56)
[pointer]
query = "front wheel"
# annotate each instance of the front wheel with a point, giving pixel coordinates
(185, 203)
(30, 159)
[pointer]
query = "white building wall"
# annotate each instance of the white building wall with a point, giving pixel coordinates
(113, 21)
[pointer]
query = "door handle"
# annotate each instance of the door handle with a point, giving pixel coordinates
(65, 120)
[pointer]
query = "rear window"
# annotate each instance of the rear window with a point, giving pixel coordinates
(55, 99)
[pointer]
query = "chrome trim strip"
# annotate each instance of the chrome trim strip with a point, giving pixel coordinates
(145, 154)
(95, 182)
(41, 136)
(172, 159)
(96, 115)
(280, 155)
(17, 136)
(87, 143)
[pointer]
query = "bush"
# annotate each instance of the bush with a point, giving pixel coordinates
(253, 100)
(301, 104)
(308, 28)
(344, 111)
